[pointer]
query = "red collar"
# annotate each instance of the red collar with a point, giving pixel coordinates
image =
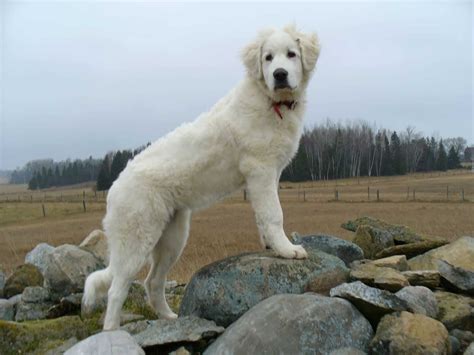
(276, 106)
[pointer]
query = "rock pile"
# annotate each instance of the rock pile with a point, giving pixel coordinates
(390, 291)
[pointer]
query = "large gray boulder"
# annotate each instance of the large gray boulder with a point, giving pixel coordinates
(117, 342)
(371, 302)
(37, 256)
(343, 249)
(295, 324)
(66, 269)
(96, 243)
(225, 290)
(456, 278)
(420, 300)
(455, 311)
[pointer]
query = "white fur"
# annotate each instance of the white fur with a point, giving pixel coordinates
(240, 142)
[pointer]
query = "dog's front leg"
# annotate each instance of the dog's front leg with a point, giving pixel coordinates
(264, 198)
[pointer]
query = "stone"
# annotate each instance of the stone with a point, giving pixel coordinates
(427, 278)
(67, 268)
(124, 318)
(31, 311)
(420, 300)
(117, 342)
(183, 329)
(371, 302)
(2, 283)
(347, 351)
(225, 290)
(68, 305)
(456, 278)
(400, 234)
(372, 240)
(24, 275)
(35, 294)
(28, 337)
(455, 311)
(37, 256)
(7, 310)
(343, 249)
(470, 349)
(411, 250)
(454, 344)
(464, 337)
(61, 349)
(408, 333)
(96, 243)
(459, 253)
(397, 262)
(295, 324)
(180, 351)
(381, 277)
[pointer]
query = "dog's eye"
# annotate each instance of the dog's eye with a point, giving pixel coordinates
(269, 58)
(291, 54)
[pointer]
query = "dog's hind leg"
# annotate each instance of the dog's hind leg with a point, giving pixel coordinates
(165, 254)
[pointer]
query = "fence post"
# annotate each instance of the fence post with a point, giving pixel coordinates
(378, 195)
(84, 205)
(368, 193)
(245, 195)
(336, 195)
(304, 195)
(44, 211)
(462, 193)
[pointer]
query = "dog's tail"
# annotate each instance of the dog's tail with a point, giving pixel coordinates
(97, 285)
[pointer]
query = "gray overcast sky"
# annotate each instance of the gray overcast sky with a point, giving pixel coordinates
(83, 78)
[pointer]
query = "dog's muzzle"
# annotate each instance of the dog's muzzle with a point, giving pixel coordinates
(281, 79)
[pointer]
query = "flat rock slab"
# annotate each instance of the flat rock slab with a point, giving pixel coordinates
(408, 333)
(427, 278)
(295, 324)
(343, 249)
(371, 302)
(455, 311)
(397, 262)
(225, 290)
(381, 277)
(116, 342)
(183, 329)
(411, 250)
(456, 278)
(420, 300)
(459, 253)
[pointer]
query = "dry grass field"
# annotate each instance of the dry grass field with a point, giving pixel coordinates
(228, 228)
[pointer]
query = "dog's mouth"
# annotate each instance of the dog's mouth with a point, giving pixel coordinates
(282, 86)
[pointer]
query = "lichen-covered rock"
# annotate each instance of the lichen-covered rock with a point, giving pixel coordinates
(162, 332)
(116, 342)
(427, 278)
(372, 240)
(295, 324)
(35, 294)
(456, 278)
(225, 290)
(408, 333)
(464, 338)
(37, 256)
(420, 300)
(411, 250)
(7, 310)
(470, 349)
(28, 337)
(455, 311)
(66, 269)
(96, 243)
(371, 302)
(31, 311)
(400, 234)
(343, 249)
(381, 277)
(459, 253)
(397, 262)
(24, 275)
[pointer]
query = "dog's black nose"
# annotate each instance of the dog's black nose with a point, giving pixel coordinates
(280, 74)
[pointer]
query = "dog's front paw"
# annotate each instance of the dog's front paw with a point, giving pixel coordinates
(295, 252)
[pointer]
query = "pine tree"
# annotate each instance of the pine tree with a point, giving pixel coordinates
(398, 159)
(454, 162)
(103, 179)
(387, 158)
(442, 160)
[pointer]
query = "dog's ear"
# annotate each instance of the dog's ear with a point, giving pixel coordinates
(309, 47)
(251, 57)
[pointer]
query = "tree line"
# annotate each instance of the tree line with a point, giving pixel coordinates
(332, 150)
(328, 150)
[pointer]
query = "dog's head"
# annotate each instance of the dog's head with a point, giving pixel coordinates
(282, 60)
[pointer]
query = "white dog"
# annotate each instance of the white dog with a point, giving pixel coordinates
(246, 139)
